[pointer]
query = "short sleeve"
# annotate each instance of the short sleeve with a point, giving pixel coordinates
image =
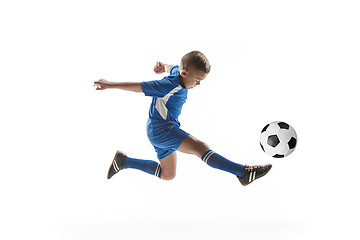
(158, 88)
(174, 70)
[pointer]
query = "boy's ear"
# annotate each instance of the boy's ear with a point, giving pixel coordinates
(183, 72)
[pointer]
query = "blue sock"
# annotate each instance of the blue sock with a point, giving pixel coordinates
(216, 161)
(147, 166)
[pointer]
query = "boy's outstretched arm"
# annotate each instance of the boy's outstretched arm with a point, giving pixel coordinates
(162, 67)
(103, 84)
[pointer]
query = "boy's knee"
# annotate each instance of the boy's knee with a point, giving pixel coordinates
(194, 146)
(204, 145)
(201, 148)
(168, 176)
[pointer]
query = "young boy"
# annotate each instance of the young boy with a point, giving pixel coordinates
(163, 127)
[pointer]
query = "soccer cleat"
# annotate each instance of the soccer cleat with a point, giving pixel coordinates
(116, 164)
(254, 172)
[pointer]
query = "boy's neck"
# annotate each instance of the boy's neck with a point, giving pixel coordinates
(181, 81)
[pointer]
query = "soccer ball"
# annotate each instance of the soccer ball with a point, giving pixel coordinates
(278, 139)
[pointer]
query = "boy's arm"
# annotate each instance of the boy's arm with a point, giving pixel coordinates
(162, 67)
(103, 84)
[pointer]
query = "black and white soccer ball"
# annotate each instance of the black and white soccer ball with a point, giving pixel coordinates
(278, 139)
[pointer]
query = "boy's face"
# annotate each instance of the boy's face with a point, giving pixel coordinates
(192, 77)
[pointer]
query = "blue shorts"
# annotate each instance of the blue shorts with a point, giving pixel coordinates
(165, 136)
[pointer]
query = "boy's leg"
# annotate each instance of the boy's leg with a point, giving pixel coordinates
(194, 146)
(245, 174)
(168, 167)
(121, 161)
(166, 170)
(191, 145)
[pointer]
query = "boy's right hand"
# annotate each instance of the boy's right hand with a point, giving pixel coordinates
(101, 84)
(159, 68)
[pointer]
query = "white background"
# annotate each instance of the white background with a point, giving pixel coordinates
(293, 61)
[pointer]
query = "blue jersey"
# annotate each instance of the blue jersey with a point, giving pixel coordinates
(168, 97)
